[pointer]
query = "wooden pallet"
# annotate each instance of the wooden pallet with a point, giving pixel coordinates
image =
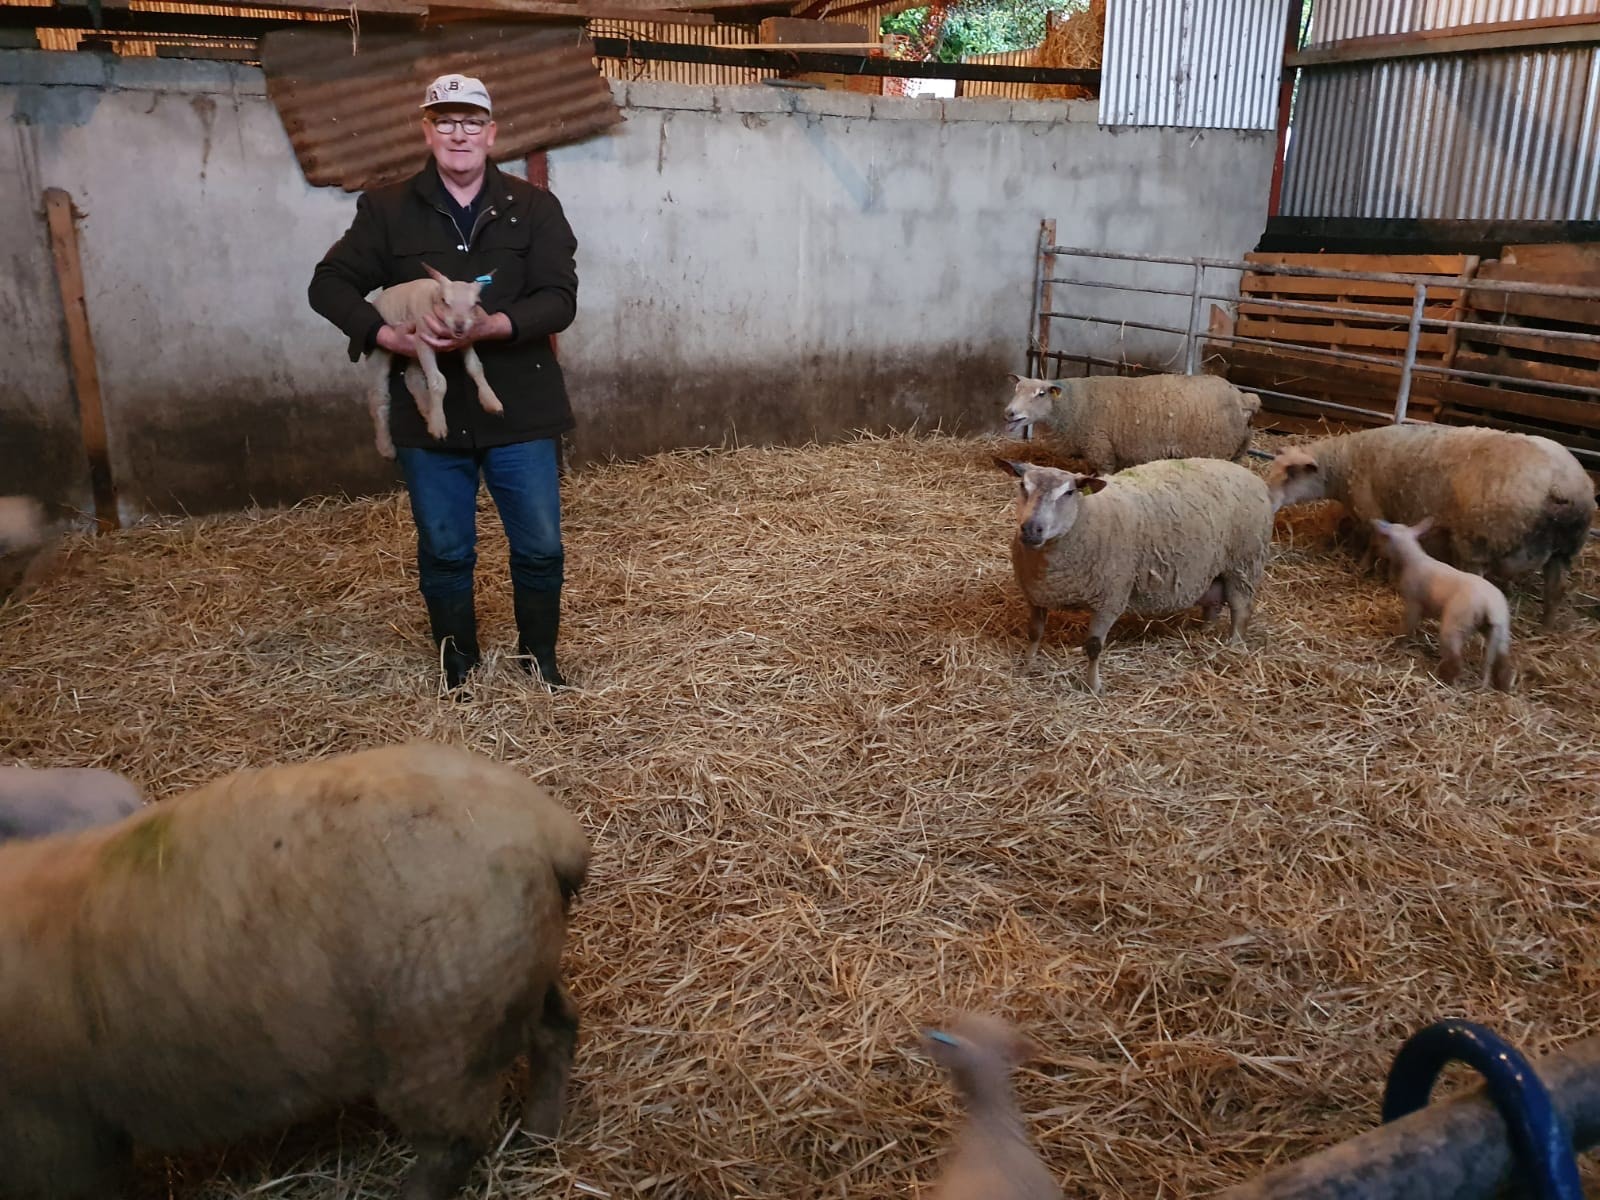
(1522, 349)
(1380, 331)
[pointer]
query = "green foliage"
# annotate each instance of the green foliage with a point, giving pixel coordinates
(984, 26)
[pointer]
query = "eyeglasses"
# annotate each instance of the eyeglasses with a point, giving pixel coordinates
(467, 124)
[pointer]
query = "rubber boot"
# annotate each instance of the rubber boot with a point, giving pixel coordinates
(538, 622)
(455, 628)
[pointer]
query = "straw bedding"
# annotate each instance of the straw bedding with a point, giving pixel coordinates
(828, 808)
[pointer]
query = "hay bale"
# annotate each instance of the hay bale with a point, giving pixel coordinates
(828, 809)
(1074, 40)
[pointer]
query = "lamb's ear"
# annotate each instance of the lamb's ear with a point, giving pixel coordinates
(1381, 525)
(1295, 470)
(1014, 377)
(1055, 389)
(1422, 527)
(1024, 1048)
(1016, 468)
(435, 274)
(940, 1046)
(1089, 484)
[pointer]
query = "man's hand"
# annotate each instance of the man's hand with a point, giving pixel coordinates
(485, 327)
(398, 339)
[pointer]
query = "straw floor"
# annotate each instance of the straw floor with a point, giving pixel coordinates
(828, 808)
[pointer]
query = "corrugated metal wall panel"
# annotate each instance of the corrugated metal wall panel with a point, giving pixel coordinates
(1336, 20)
(1207, 64)
(1512, 136)
(692, 35)
(1004, 58)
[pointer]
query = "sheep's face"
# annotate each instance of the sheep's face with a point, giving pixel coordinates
(1031, 401)
(1294, 478)
(1048, 499)
(456, 306)
(1398, 542)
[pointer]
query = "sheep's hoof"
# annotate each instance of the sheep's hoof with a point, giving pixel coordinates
(491, 402)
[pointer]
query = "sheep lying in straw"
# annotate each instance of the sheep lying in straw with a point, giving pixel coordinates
(1154, 538)
(38, 802)
(385, 924)
(993, 1159)
(1118, 422)
(453, 302)
(1502, 503)
(1464, 604)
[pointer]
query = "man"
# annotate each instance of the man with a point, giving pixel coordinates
(468, 220)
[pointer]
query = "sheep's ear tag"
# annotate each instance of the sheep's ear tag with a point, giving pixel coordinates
(941, 1037)
(484, 279)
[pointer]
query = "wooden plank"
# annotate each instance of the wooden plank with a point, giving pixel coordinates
(61, 218)
(1312, 285)
(1582, 441)
(1570, 411)
(1489, 305)
(1341, 335)
(1365, 385)
(1577, 29)
(1555, 256)
(1517, 337)
(1458, 310)
(1527, 368)
(1376, 264)
(1374, 312)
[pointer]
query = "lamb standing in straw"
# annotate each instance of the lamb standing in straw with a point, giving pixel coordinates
(1501, 503)
(1464, 604)
(455, 304)
(39, 801)
(386, 924)
(1155, 538)
(993, 1159)
(1118, 422)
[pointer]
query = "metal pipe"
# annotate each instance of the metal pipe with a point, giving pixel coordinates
(1403, 396)
(1523, 384)
(1457, 1150)
(1194, 317)
(1486, 285)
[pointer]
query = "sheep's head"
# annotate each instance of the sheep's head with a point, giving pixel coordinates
(22, 523)
(1294, 478)
(1396, 541)
(976, 1048)
(457, 303)
(1031, 400)
(1047, 505)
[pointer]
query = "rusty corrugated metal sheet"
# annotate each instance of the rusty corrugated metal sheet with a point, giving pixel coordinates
(1492, 136)
(1336, 20)
(1195, 64)
(693, 35)
(1004, 58)
(352, 119)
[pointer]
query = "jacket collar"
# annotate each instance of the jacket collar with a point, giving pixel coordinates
(427, 184)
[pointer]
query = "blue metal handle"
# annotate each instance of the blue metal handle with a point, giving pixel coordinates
(1540, 1140)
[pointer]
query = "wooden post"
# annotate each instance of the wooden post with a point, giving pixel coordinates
(1047, 268)
(1291, 43)
(62, 220)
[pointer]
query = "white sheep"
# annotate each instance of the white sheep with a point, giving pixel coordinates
(1154, 538)
(993, 1159)
(383, 925)
(1501, 503)
(1465, 604)
(453, 302)
(1118, 422)
(38, 802)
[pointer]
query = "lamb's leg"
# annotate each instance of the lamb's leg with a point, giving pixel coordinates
(1451, 638)
(486, 397)
(1099, 625)
(434, 413)
(378, 402)
(1036, 620)
(1556, 576)
(1211, 602)
(551, 1048)
(1240, 593)
(1412, 618)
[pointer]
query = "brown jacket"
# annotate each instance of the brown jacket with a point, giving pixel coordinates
(522, 236)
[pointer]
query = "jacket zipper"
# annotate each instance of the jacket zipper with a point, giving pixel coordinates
(476, 225)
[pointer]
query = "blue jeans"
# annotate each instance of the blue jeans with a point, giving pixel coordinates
(523, 481)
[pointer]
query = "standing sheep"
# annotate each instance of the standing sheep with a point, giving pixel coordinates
(1118, 422)
(37, 802)
(1154, 538)
(1464, 604)
(451, 301)
(1502, 503)
(993, 1159)
(384, 924)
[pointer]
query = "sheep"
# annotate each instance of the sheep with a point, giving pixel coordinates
(22, 524)
(993, 1159)
(385, 924)
(1154, 538)
(1463, 603)
(1502, 503)
(1117, 422)
(39, 802)
(403, 306)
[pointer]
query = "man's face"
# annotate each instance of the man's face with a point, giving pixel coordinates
(455, 149)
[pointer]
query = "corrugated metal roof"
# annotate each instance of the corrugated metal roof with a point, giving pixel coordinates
(1206, 64)
(1512, 136)
(1336, 20)
(352, 118)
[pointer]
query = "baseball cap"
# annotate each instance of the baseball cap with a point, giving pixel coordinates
(457, 89)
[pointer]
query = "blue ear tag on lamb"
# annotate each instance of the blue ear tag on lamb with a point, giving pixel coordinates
(939, 1036)
(483, 279)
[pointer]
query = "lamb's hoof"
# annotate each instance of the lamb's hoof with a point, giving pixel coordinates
(438, 432)
(491, 403)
